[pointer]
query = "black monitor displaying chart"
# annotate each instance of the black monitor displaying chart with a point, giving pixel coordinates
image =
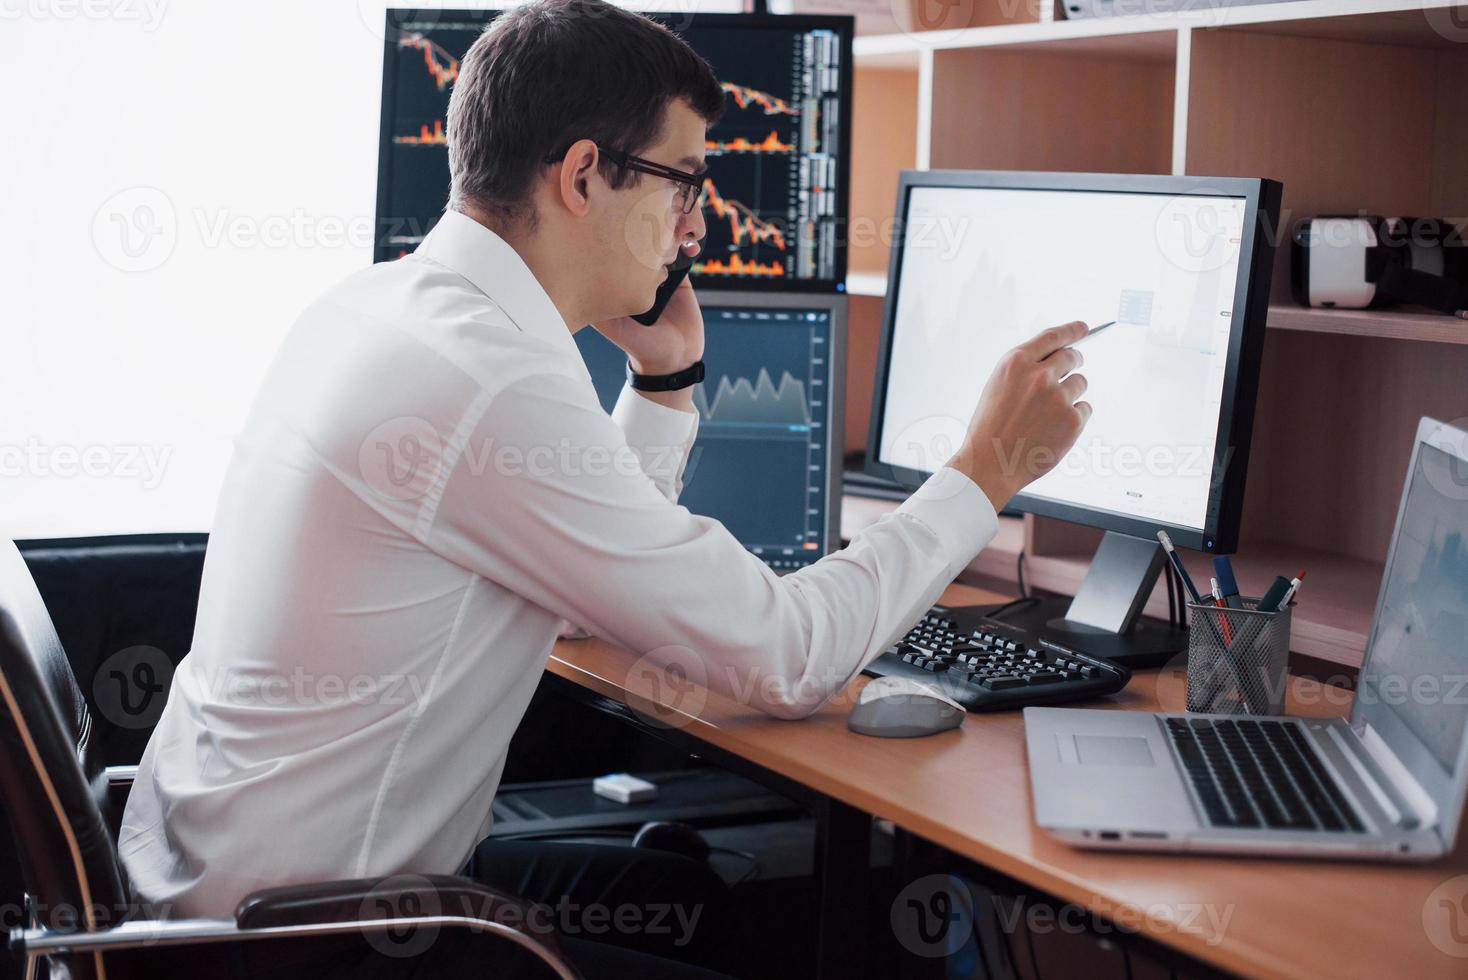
(775, 198)
(766, 463)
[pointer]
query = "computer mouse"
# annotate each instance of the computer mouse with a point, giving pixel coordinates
(898, 707)
(674, 837)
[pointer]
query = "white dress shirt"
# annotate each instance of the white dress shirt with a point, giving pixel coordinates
(425, 488)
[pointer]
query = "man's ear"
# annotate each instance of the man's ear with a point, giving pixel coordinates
(578, 169)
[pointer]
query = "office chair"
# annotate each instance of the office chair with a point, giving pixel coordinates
(84, 923)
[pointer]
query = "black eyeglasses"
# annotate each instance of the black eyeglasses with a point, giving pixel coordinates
(690, 186)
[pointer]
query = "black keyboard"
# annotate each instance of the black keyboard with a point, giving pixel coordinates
(989, 666)
(1251, 773)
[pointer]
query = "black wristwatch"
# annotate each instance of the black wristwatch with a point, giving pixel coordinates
(677, 381)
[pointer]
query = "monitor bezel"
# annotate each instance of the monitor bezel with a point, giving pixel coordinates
(1241, 375)
(843, 25)
(834, 421)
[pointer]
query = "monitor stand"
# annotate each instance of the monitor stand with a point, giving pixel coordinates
(1105, 616)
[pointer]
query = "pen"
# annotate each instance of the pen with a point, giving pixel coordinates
(1094, 331)
(1177, 563)
(1227, 584)
(1294, 587)
(1228, 632)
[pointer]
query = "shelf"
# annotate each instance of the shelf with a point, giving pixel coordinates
(1386, 324)
(1412, 22)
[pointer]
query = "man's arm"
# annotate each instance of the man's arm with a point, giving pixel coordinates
(584, 533)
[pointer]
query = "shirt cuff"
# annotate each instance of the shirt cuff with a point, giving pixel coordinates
(661, 436)
(957, 512)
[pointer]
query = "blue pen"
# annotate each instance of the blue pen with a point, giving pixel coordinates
(1223, 570)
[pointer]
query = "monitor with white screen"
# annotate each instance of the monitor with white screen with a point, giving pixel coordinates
(1178, 270)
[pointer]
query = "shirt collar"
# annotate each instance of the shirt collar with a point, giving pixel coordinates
(464, 246)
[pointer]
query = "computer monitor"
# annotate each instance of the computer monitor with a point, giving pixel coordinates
(766, 463)
(775, 199)
(1179, 266)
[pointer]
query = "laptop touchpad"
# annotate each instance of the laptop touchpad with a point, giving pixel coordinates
(1113, 750)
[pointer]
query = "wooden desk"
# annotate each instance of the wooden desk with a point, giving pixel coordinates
(968, 791)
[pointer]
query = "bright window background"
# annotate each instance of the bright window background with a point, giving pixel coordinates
(178, 179)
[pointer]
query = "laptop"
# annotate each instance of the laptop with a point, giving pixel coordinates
(1387, 783)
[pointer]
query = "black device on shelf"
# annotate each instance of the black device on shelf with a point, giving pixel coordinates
(775, 195)
(988, 665)
(1180, 267)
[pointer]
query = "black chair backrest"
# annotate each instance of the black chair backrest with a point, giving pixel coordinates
(53, 784)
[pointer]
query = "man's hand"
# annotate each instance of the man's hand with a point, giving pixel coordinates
(1028, 417)
(671, 344)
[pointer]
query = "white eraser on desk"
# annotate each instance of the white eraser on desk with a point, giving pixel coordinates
(623, 788)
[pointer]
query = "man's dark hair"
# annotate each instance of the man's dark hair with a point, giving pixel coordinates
(552, 72)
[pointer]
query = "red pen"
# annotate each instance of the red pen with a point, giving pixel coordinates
(1294, 587)
(1228, 632)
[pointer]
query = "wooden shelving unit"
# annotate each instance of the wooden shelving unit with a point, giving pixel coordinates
(1355, 105)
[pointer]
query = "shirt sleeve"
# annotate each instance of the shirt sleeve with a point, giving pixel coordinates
(660, 436)
(565, 516)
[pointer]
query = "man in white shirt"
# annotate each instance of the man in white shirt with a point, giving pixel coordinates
(427, 487)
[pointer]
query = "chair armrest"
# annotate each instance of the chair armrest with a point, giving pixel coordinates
(398, 900)
(287, 913)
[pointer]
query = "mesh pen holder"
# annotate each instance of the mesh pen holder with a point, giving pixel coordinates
(1237, 659)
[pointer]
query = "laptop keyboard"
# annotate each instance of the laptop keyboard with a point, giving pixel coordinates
(1250, 773)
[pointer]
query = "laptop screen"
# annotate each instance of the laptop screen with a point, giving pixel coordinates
(1418, 666)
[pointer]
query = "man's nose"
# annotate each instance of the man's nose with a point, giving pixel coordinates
(691, 226)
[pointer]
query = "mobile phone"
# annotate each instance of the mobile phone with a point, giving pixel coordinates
(677, 272)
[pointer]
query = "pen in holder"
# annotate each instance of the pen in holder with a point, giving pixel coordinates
(1237, 659)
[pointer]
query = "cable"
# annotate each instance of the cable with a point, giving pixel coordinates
(1020, 603)
(1019, 573)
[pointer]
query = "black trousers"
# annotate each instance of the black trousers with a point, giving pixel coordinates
(617, 911)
